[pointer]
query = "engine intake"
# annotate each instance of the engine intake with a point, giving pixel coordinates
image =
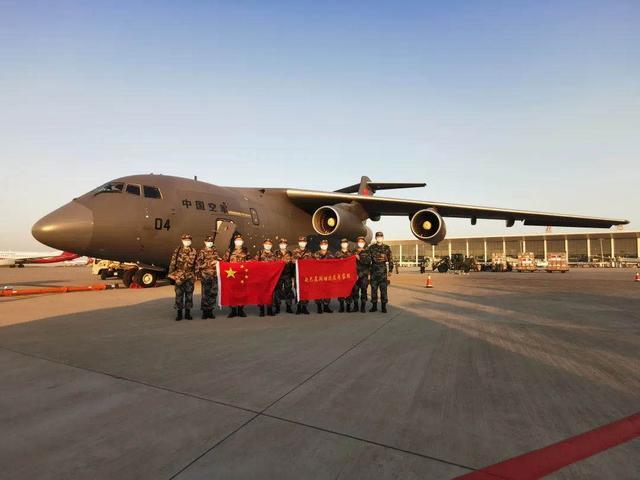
(427, 225)
(338, 220)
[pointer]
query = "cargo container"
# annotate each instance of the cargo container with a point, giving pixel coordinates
(526, 262)
(557, 262)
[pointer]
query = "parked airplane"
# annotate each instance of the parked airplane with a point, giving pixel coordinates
(140, 218)
(20, 259)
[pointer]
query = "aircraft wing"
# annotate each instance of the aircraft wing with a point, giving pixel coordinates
(310, 200)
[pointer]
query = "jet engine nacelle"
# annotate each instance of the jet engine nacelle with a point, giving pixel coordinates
(339, 220)
(427, 225)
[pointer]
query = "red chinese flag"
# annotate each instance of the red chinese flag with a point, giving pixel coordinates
(247, 283)
(330, 278)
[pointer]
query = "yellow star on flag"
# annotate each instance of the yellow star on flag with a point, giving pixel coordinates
(230, 273)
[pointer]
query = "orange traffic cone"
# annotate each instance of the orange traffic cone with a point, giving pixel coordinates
(429, 283)
(637, 277)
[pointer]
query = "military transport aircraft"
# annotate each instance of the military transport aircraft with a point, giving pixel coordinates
(140, 218)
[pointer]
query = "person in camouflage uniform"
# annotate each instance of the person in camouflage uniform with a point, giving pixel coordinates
(284, 289)
(302, 252)
(206, 271)
(266, 254)
(363, 266)
(323, 254)
(344, 252)
(237, 255)
(182, 270)
(381, 268)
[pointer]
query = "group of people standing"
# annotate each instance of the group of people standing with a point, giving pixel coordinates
(374, 266)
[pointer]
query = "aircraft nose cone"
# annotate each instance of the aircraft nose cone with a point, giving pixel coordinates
(68, 228)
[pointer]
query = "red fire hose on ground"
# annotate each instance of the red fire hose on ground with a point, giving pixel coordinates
(10, 292)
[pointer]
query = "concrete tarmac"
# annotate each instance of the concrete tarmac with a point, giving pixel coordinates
(482, 368)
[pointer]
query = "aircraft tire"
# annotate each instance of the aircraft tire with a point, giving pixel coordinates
(146, 278)
(104, 274)
(127, 276)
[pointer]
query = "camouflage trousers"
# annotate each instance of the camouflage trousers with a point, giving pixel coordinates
(184, 295)
(283, 291)
(360, 288)
(379, 281)
(209, 287)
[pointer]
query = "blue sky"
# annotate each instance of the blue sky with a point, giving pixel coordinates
(532, 105)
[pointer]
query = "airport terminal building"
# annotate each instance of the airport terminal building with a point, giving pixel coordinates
(604, 246)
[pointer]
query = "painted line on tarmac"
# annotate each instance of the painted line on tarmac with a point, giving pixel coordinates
(546, 460)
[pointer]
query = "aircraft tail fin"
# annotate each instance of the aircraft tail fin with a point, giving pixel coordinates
(367, 187)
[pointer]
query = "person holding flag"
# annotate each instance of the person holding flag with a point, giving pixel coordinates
(300, 253)
(237, 255)
(284, 289)
(344, 252)
(364, 267)
(266, 255)
(323, 254)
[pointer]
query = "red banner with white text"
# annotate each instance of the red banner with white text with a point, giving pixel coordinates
(330, 278)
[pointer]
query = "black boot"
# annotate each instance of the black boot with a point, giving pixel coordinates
(305, 310)
(270, 311)
(187, 314)
(205, 314)
(178, 315)
(233, 312)
(355, 306)
(277, 308)
(384, 307)
(319, 308)
(349, 307)
(262, 310)
(211, 314)
(374, 307)
(327, 309)
(298, 309)
(241, 311)
(289, 309)
(341, 309)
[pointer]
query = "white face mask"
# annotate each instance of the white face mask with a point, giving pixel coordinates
(208, 244)
(360, 244)
(267, 246)
(283, 246)
(324, 247)
(238, 243)
(186, 243)
(379, 240)
(344, 246)
(302, 244)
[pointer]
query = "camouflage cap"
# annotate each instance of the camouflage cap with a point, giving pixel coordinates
(344, 240)
(324, 241)
(208, 238)
(361, 238)
(283, 240)
(302, 238)
(185, 236)
(379, 234)
(268, 240)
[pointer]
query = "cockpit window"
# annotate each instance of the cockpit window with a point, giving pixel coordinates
(111, 187)
(133, 189)
(151, 192)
